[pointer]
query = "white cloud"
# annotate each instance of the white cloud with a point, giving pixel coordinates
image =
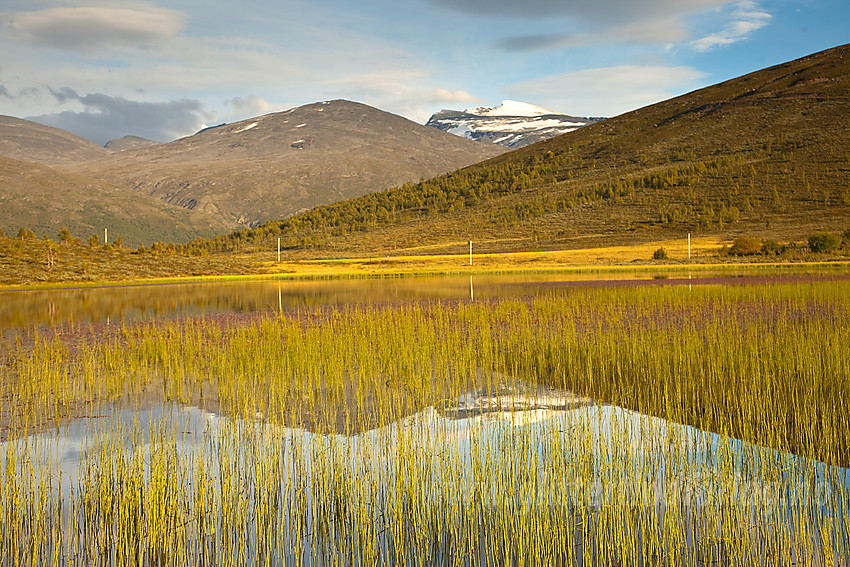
(607, 91)
(604, 11)
(445, 95)
(401, 91)
(90, 29)
(746, 19)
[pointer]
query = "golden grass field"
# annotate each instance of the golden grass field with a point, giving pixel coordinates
(616, 258)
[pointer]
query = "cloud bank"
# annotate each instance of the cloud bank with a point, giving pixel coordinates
(107, 117)
(614, 21)
(746, 19)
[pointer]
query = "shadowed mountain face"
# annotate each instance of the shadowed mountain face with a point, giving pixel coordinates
(30, 141)
(765, 155)
(276, 165)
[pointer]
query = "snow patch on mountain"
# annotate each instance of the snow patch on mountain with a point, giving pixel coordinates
(246, 128)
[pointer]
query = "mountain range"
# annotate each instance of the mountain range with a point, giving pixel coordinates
(222, 178)
(512, 124)
(764, 154)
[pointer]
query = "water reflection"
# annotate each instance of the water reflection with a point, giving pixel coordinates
(473, 483)
(39, 308)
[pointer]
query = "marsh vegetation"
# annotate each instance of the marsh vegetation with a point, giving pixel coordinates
(650, 425)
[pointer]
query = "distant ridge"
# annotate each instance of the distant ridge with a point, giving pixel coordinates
(31, 141)
(129, 143)
(279, 164)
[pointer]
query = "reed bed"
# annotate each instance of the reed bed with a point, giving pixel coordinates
(715, 433)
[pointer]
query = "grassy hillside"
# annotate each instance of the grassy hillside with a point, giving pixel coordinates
(765, 155)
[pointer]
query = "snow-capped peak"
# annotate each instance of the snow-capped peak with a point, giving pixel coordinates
(513, 124)
(511, 108)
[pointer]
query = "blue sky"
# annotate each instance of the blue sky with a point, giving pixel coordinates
(164, 69)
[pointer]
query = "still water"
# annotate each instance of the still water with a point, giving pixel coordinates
(116, 304)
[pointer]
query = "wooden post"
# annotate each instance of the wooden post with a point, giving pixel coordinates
(278, 249)
(470, 252)
(471, 293)
(105, 239)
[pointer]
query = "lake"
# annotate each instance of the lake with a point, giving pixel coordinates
(657, 418)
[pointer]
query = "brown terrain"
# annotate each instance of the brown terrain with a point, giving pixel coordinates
(277, 165)
(218, 180)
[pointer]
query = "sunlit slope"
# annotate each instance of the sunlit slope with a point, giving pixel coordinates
(766, 154)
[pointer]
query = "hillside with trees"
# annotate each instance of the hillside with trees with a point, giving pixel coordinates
(764, 155)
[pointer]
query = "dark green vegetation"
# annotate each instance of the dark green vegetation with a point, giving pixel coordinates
(764, 155)
(817, 243)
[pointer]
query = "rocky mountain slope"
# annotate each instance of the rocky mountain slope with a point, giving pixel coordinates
(512, 124)
(276, 165)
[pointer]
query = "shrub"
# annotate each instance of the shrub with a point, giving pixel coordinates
(824, 242)
(93, 240)
(772, 248)
(660, 254)
(745, 246)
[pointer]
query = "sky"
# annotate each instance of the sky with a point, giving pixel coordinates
(165, 69)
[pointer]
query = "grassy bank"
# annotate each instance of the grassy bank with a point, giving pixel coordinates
(24, 263)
